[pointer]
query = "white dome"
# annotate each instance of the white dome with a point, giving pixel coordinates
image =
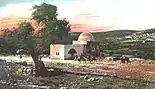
(86, 37)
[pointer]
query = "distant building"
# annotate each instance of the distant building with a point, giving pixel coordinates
(149, 40)
(128, 37)
(85, 44)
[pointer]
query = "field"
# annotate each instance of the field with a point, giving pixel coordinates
(97, 75)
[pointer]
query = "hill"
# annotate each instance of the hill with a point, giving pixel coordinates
(113, 34)
(149, 31)
(143, 35)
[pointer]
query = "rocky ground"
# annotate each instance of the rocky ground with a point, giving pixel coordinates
(72, 81)
(98, 75)
(144, 69)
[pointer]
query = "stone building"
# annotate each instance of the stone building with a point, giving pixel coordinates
(84, 45)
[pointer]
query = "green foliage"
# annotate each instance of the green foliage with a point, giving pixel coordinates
(56, 32)
(141, 50)
(24, 34)
(114, 41)
(44, 12)
(7, 46)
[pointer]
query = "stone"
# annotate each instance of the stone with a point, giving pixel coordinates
(85, 77)
(101, 78)
(105, 74)
(91, 79)
(28, 79)
(128, 76)
(63, 87)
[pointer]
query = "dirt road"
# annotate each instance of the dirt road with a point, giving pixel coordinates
(145, 71)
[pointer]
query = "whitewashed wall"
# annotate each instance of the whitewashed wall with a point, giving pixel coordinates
(57, 48)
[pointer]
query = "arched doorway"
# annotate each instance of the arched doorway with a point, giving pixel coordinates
(72, 51)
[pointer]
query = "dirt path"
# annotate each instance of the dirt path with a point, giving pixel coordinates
(144, 71)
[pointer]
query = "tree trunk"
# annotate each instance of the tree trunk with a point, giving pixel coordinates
(40, 69)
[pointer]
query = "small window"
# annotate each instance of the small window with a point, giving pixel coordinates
(57, 53)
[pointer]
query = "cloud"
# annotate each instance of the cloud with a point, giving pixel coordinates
(17, 10)
(5, 2)
(13, 10)
(118, 14)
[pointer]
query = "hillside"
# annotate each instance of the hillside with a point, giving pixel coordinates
(113, 34)
(149, 31)
(143, 35)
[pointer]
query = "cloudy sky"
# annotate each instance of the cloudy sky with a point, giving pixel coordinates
(116, 14)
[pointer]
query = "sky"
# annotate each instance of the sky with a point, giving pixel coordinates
(91, 14)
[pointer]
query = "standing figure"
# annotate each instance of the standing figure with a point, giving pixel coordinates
(20, 56)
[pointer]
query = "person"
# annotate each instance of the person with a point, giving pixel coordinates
(20, 56)
(19, 52)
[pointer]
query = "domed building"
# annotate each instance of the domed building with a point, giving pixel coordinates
(84, 45)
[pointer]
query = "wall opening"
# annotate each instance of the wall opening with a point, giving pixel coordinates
(72, 51)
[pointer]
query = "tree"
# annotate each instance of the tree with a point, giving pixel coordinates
(36, 39)
(56, 31)
(7, 46)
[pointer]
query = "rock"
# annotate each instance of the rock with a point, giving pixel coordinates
(63, 87)
(35, 81)
(115, 75)
(127, 76)
(28, 79)
(60, 85)
(85, 77)
(91, 79)
(15, 84)
(82, 76)
(19, 71)
(8, 83)
(105, 74)
(101, 78)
